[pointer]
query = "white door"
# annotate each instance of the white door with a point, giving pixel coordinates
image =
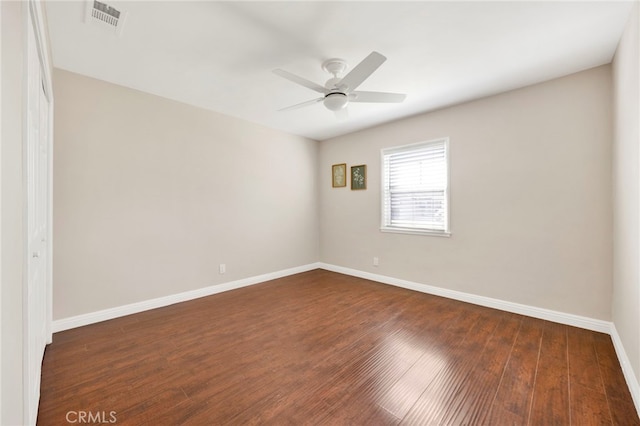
(37, 172)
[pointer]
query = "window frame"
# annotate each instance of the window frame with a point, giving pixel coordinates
(387, 227)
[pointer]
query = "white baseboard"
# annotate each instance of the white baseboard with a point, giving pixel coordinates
(627, 370)
(134, 308)
(531, 311)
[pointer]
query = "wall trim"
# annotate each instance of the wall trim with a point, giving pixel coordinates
(145, 305)
(531, 311)
(627, 369)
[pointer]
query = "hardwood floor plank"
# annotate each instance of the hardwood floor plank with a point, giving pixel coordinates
(515, 391)
(383, 370)
(321, 348)
(588, 398)
(445, 373)
(389, 352)
(582, 359)
(588, 406)
(474, 401)
(618, 395)
(623, 412)
(550, 405)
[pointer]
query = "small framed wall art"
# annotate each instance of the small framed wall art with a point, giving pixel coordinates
(359, 177)
(339, 175)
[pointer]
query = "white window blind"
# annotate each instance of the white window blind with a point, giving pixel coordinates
(415, 188)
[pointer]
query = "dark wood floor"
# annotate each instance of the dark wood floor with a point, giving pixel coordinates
(324, 348)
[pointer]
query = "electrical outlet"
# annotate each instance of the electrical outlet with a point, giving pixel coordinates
(223, 268)
(376, 261)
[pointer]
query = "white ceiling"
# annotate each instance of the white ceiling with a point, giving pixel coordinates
(220, 55)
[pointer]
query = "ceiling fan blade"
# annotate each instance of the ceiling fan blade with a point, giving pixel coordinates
(302, 104)
(361, 72)
(342, 114)
(300, 80)
(377, 97)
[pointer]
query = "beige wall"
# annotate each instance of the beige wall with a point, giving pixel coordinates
(12, 193)
(151, 195)
(626, 191)
(530, 198)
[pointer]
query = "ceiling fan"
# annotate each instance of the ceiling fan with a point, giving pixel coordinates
(339, 91)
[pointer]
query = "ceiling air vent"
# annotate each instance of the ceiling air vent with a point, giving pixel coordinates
(105, 15)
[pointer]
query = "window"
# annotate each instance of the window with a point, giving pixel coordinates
(415, 188)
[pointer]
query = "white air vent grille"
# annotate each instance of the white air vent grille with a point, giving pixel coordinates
(105, 15)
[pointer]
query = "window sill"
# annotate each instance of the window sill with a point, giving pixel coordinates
(415, 231)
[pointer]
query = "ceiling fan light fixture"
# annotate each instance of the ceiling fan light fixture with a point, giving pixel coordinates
(335, 101)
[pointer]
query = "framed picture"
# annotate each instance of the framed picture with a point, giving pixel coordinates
(359, 177)
(339, 175)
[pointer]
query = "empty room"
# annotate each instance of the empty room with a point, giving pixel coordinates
(323, 213)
